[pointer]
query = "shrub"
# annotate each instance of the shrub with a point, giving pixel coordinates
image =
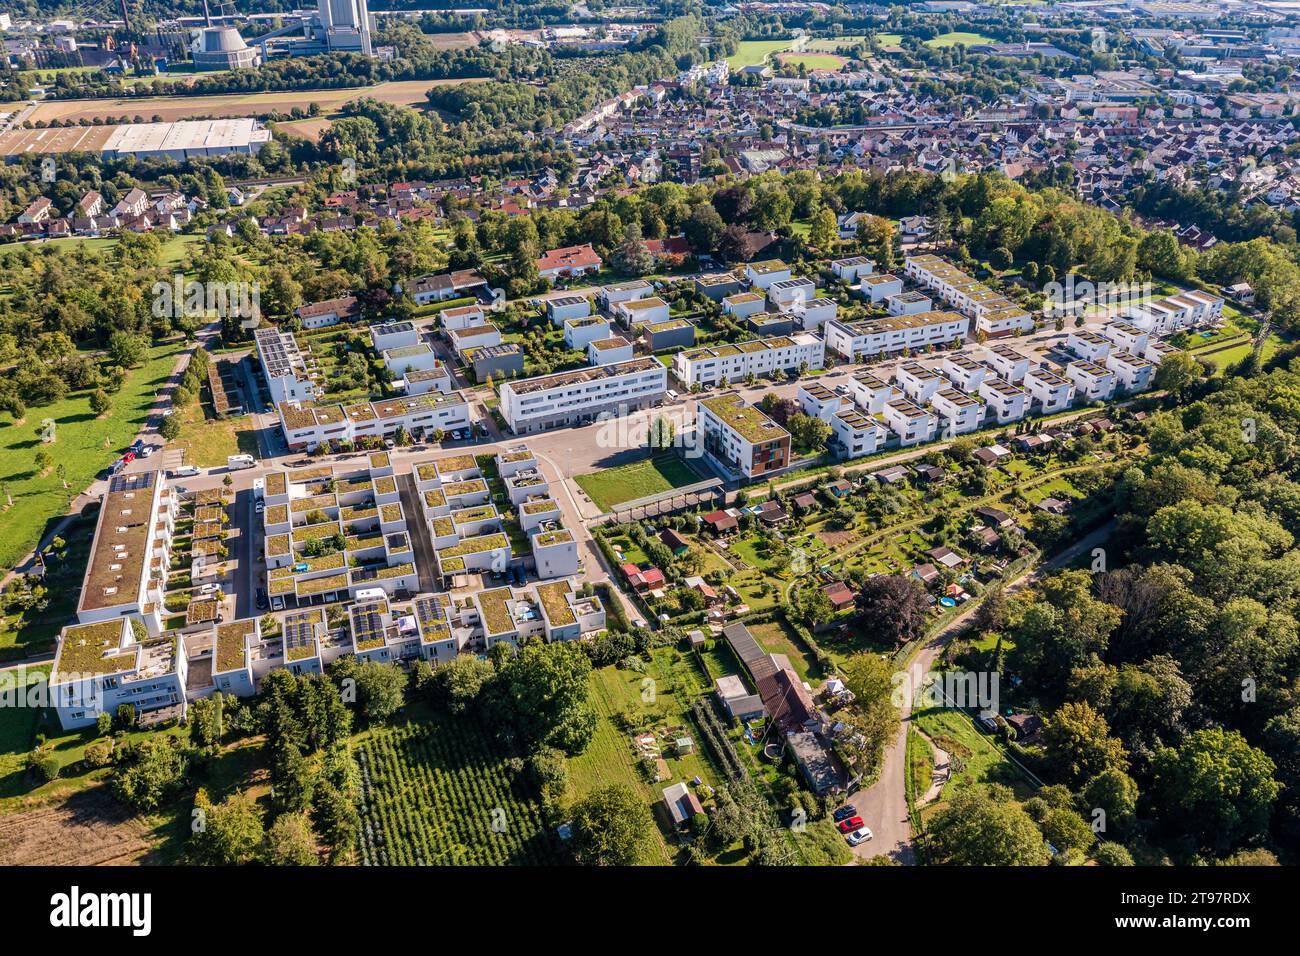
(44, 765)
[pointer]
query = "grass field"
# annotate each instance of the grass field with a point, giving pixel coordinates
(637, 480)
(404, 92)
(953, 39)
(889, 39)
(754, 52)
(832, 44)
(84, 445)
(812, 61)
(24, 633)
(980, 759)
(208, 442)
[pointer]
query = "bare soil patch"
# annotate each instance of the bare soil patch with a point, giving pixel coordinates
(88, 828)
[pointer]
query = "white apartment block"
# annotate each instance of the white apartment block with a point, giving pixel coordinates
(918, 382)
(860, 340)
(869, 393)
(741, 438)
(1092, 382)
(306, 426)
(790, 292)
(436, 379)
(394, 335)
(744, 304)
(859, 434)
(911, 423)
(964, 372)
(1126, 337)
(1157, 351)
(284, 367)
(994, 314)
(1132, 373)
(818, 401)
(100, 666)
(877, 286)
(1087, 345)
(713, 364)
(610, 351)
(640, 311)
(579, 397)
(126, 573)
(763, 275)
(1050, 392)
(411, 358)
(908, 303)
(853, 268)
(461, 317)
(1176, 313)
(474, 337)
(561, 308)
(1005, 401)
(1007, 363)
(612, 295)
(579, 333)
(813, 313)
(959, 413)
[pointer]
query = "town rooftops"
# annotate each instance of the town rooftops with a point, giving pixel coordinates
(898, 323)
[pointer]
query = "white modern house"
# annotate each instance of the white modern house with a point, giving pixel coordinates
(1132, 372)
(1092, 382)
(711, 365)
(910, 422)
(1004, 400)
(958, 412)
(862, 340)
(1007, 363)
(1049, 391)
(857, 433)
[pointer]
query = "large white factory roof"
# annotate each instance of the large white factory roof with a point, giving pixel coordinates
(187, 138)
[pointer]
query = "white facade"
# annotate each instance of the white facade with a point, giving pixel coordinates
(860, 340)
(579, 397)
(1088, 346)
(783, 353)
(908, 303)
(394, 335)
(818, 401)
(1005, 401)
(1132, 373)
(284, 368)
(1126, 337)
(959, 413)
(918, 382)
(859, 434)
(1007, 363)
(853, 268)
(964, 372)
(561, 308)
(911, 423)
(785, 294)
(876, 287)
(579, 333)
(763, 275)
(1092, 382)
(1050, 392)
(870, 393)
(744, 304)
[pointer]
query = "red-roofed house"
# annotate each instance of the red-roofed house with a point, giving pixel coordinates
(840, 595)
(642, 580)
(569, 261)
(672, 246)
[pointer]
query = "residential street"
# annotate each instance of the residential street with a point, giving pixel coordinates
(884, 805)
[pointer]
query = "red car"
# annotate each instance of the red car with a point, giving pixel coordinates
(128, 458)
(851, 824)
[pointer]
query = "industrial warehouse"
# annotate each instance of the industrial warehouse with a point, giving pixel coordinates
(182, 140)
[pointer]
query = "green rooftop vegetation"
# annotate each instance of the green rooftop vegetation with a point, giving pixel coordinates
(555, 601)
(83, 649)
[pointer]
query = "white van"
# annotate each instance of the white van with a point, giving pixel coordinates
(185, 471)
(236, 462)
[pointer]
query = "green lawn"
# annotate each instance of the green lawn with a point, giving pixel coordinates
(172, 254)
(889, 39)
(208, 442)
(832, 44)
(953, 39)
(84, 445)
(638, 480)
(813, 61)
(24, 633)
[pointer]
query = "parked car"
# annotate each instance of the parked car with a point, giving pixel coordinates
(851, 824)
(128, 458)
(146, 451)
(261, 599)
(860, 835)
(277, 603)
(184, 471)
(844, 812)
(259, 507)
(208, 589)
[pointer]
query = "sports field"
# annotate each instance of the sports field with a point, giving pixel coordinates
(959, 38)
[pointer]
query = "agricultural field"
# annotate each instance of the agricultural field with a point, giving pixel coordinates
(309, 129)
(172, 108)
(440, 793)
(84, 444)
(641, 479)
